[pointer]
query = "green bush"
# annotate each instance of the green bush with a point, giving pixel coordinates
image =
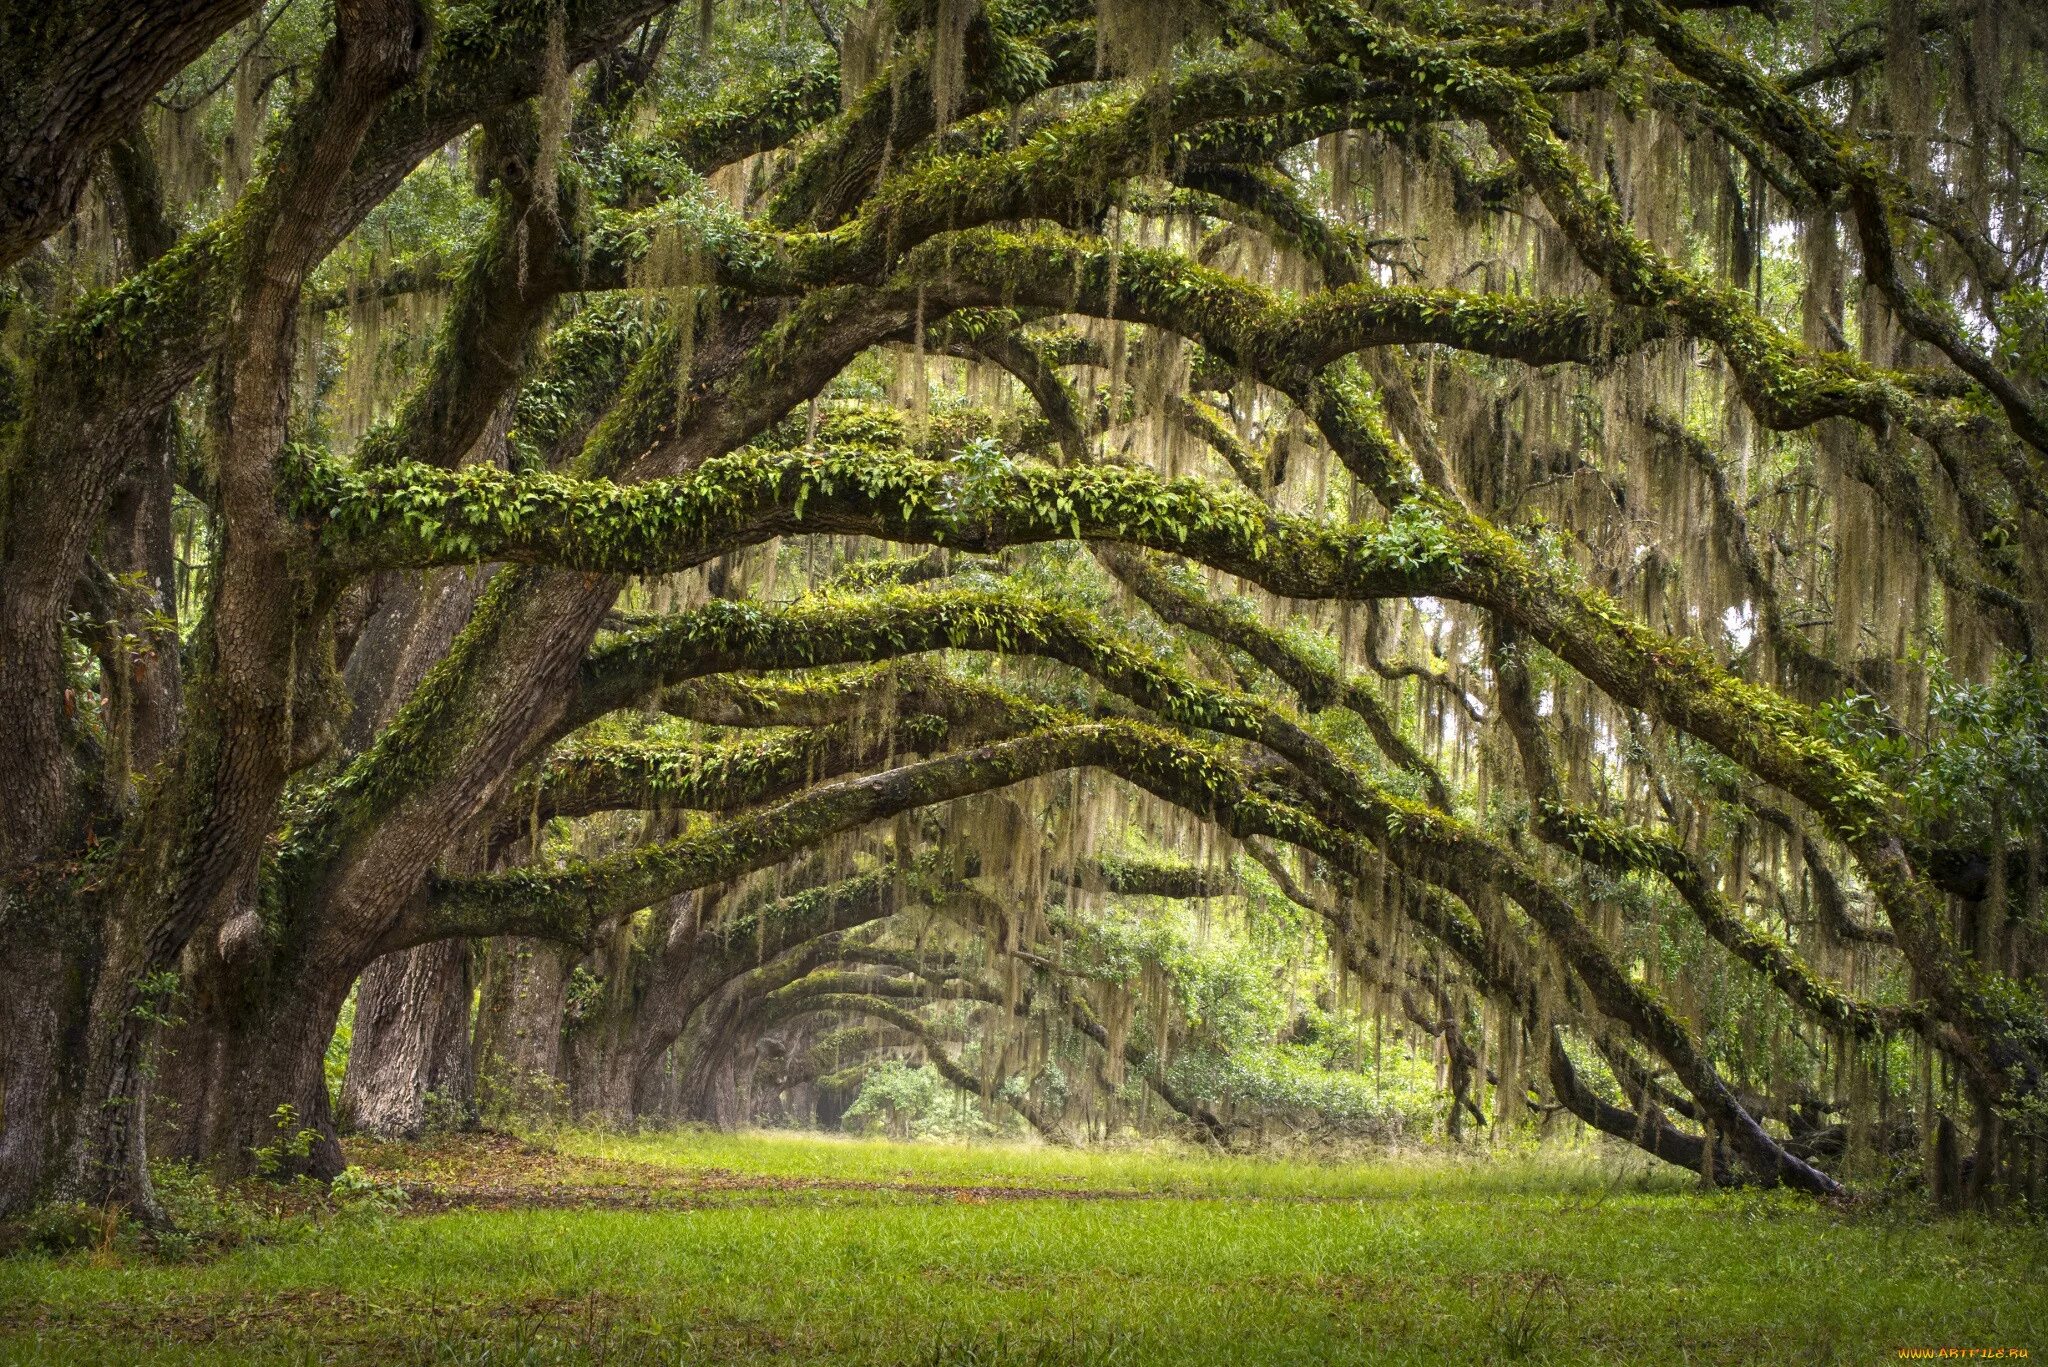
(63, 1226)
(356, 1190)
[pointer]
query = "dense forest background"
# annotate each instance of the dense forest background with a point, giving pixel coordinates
(1303, 571)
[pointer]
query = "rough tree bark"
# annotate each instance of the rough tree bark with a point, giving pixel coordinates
(410, 1063)
(260, 644)
(523, 991)
(72, 76)
(412, 1034)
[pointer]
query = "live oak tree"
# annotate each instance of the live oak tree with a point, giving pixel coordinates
(1555, 492)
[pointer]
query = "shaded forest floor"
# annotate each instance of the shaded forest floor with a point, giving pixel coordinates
(761, 1248)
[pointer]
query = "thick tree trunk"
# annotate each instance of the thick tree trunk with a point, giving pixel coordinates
(718, 1099)
(658, 1094)
(709, 1086)
(410, 1065)
(45, 986)
(412, 1030)
(412, 1038)
(263, 647)
(601, 1068)
(273, 1059)
(656, 1088)
(244, 1045)
(108, 1163)
(191, 1076)
(518, 1049)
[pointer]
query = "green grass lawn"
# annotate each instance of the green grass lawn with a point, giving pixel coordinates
(759, 1248)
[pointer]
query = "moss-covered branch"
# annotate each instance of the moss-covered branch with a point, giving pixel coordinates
(737, 125)
(410, 516)
(1624, 849)
(1771, 736)
(874, 695)
(1833, 166)
(1007, 55)
(1316, 684)
(587, 894)
(589, 775)
(1427, 844)
(1786, 385)
(414, 516)
(1136, 877)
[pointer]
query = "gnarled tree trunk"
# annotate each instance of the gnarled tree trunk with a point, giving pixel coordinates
(410, 1065)
(523, 992)
(45, 986)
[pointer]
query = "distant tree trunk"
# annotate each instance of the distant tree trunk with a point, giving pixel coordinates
(601, 1068)
(719, 1099)
(833, 1095)
(411, 1061)
(657, 1093)
(518, 1041)
(709, 1087)
(800, 1104)
(801, 1089)
(1945, 1168)
(616, 1047)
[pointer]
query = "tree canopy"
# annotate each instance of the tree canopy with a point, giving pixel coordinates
(809, 533)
